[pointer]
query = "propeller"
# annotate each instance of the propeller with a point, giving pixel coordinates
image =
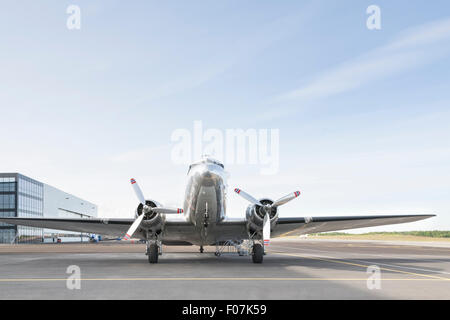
(146, 209)
(266, 230)
(248, 197)
(286, 199)
(133, 227)
(267, 209)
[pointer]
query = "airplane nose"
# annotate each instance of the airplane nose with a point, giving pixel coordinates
(206, 175)
(209, 178)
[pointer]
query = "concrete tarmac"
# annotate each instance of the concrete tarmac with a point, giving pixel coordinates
(292, 269)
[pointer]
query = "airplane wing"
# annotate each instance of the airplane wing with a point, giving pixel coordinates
(299, 226)
(237, 228)
(227, 229)
(112, 227)
(177, 230)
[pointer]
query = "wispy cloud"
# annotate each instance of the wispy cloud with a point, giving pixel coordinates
(422, 35)
(412, 48)
(245, 45)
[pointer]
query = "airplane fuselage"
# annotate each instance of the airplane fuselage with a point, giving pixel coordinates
(205, 198)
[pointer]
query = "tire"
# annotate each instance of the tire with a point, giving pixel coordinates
(201, 250)
(258, 253)
(153, 253)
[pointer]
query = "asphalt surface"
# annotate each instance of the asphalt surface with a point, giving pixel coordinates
(292, 269)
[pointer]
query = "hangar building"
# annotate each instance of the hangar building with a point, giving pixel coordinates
(21, 196)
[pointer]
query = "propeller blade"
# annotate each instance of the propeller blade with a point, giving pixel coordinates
(138, 191)
(141, 199)
(266, 230)
(247, 197)
(133, 227)
(286, 199)
(167, 210)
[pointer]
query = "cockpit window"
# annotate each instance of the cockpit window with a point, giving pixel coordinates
(215, 162)
(206, 160)
(218, 163)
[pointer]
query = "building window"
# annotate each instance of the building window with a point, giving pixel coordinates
(7, 201)
(7, 235)
(6, 214)
(7, 186)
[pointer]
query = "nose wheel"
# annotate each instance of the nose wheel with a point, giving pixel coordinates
(201, 249)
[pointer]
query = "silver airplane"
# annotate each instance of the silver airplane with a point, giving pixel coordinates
(205, 222)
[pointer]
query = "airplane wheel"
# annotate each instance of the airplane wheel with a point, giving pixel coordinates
(258, 253)
(153, 253)
(201, 250)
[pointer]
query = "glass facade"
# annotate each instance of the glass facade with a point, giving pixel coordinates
(8, 194)
(20, 196)
(8, 201)
(30, 203)
(24, 197)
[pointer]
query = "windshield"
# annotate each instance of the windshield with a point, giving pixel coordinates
(206, 160)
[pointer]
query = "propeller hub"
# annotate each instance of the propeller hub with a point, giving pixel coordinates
(266, 208)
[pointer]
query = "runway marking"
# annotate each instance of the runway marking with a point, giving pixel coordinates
(371, 254)
(361, 265)
(373, 243)
(405, 267)
(424, 248)
(215, 279)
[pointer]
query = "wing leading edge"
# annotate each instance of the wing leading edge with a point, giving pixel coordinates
(299, 226)
(112, 227)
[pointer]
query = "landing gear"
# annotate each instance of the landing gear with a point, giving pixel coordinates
(201, 249)
(153, 253)
(258, 253)
(154, 247)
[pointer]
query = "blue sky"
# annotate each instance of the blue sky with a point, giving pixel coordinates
(363, 114)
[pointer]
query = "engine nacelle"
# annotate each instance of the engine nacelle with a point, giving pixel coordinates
(255, 216)
(152, 220)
